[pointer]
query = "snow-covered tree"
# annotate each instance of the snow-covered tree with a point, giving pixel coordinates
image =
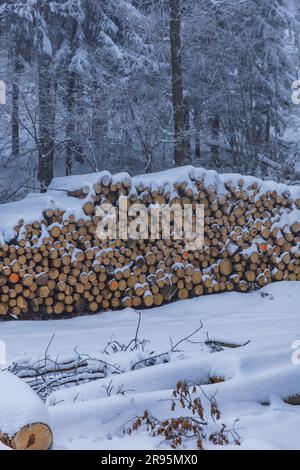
(90, 84)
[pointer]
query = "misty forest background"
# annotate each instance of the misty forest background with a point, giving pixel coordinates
(146, 85)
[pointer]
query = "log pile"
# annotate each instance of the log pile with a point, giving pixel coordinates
(56, 265)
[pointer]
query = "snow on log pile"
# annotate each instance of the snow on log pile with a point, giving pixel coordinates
(23, 416)
(52, 262)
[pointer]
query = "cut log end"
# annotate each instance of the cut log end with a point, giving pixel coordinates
(36, 436)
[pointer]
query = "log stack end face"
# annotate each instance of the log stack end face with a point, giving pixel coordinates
(55, 265)
(36, 436)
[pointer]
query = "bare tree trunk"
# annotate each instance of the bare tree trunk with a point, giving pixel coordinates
(15, 131)
(197, 126)
(46, 111)
(268, 127)
(46, 124)
(297, 35)
(98, 126)
(70, 126)
(215, 131)
(233, 142)
(79, 110)
(187, 130)
(177, 83)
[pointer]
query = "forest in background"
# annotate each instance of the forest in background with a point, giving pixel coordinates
(146, 85)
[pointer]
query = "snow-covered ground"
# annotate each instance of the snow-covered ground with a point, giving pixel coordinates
(257, 376)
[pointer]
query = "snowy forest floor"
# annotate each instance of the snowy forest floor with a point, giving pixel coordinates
(257, 375)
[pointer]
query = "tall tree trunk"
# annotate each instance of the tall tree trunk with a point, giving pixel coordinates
(98, 126)
(177, 83)
(215, 132)
(233, 142)
(197, 126)
(70, 105)
(70, 126)
(297, 34)
(268, 127)
(80, 111)
(187, 130)
(15, 130)
(46, 124)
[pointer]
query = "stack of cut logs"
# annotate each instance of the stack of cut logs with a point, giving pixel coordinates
(57, 266)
